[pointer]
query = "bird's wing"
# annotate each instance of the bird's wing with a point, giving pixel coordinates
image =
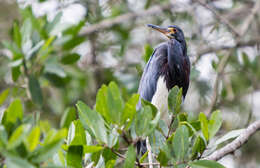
(148, 82)
(179, 67)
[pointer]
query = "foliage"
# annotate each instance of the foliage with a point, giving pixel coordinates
(43, 123)
(98, 136)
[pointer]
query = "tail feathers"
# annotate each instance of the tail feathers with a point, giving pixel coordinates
(141, 147)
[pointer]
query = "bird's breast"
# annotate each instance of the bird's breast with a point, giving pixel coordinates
(160, 99)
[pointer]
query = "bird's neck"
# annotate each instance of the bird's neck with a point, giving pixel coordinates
(183, 45)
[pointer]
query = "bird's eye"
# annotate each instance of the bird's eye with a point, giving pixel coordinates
(172, 30)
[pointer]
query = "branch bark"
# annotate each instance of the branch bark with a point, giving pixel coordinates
(123, 18)
(237, 143)
(239, 44)
(220, 18)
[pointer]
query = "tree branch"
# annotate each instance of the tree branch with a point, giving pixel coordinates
(220, 70)
(123, 18)
(237, 143)
(250, 18)
(220, 18)
(239, 44)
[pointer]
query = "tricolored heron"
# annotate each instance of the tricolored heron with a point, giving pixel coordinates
(167, 67)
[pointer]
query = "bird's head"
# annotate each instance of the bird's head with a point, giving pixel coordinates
(172, 32)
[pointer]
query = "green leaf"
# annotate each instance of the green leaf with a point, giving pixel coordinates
(17, 162)
(205, 164)
(49, 149)
(35, 90)
(92, 149)
(50, 26)
(175, 100)
(70, 58)
(33, 50)
(115, 103)
(3, 136)
(55, 69)
(74, 156)
(230, 135)
(14, 112)
(33, 139)
(92, 119)
(101, 102)
(76, 134)
(215, 123)
(18, 136)
(110, 104)
(26, 32)
(198, 147)
(130, 110)
(75, 41)
(142, 121)
(162, 158)
(130, 158)
(204, 125)
(68, 116)
(148, 51)
(15, 73)
(245, 59)
(17, 35)
(181, 142)
(4, 95)
(12, 47)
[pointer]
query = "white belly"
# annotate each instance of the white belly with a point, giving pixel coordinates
(160, 99)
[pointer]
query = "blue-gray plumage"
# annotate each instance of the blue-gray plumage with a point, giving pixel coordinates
(168, 66)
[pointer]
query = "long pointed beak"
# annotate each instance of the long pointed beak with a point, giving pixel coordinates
(165, 31)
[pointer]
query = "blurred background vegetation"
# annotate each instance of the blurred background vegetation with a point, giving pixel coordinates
(56, 52)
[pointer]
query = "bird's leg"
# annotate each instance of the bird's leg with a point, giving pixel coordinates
(150, 155)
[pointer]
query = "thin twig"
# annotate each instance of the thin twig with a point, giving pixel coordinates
(220, 18)
(220, 70)
(207, 50)
(237, 143)
(124, 18)
(250, 17)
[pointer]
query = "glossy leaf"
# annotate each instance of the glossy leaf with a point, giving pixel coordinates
(215, 123)
(14, 112)
(230, 135)
(68, 116)
(175, 100)
(33, 139)
(205, 164)
(204, 125)
(70, 58)
(130, 158)
(181, 142)
(17, 35)
(35, 90)
(92, 149)
(55, 69)
(76, 134)
(3, 96)
(18, 136)
(17, 162)
(16, 72)
(92, 119)
(130, 109)
(74, 156)
(198, 147)
(49, 149)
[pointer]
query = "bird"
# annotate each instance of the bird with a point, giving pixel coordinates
(168, 66)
